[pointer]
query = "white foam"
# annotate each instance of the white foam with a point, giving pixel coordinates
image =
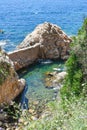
(3, 43)
(46, 62)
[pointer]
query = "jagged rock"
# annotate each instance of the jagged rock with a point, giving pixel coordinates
(10, 84)
(47, 41)
(54, 43)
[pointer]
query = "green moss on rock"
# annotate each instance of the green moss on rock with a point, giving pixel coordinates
(4, 67)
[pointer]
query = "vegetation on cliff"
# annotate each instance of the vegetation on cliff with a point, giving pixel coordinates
(10, 85)
(4, 67)
(76, 80)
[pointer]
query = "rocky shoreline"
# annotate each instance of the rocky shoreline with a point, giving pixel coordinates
(10, 84)
(47, 41)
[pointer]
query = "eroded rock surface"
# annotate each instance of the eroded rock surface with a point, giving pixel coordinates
(10, 85)
(55, 79)
(54, 43)
(47, 41)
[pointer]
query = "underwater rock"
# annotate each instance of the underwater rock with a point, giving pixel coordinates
(1, 31)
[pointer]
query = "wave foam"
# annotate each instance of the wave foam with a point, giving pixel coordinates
(7, 45)
(3, 43)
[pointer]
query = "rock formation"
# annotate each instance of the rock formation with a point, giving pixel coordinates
(47, 41)
(10, 84)
(54, 43)
(55, 79)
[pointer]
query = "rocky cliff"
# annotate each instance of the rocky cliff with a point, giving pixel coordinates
(47, 41)
(10, 84)
(54, 43)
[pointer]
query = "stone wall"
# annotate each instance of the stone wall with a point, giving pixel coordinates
(24, 57)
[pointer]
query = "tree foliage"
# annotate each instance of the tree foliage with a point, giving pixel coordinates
(76, 79)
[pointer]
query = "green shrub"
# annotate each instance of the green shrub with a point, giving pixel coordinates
(4, 71)
(77, 65)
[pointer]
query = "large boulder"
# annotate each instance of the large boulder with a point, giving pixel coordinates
(10, 85)
(54, 43)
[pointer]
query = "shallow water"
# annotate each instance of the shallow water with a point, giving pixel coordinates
(36, 89)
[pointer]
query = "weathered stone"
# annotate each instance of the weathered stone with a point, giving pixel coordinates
(52, 39)
(33, 118)
(10, 85)
(24, 57)
(47, 41)
(60, 76)
(55, 80)
(31, 111)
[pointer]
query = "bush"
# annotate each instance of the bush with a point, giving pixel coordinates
(77, 65)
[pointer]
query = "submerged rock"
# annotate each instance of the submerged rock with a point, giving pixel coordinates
(1, 31)
(10, 85)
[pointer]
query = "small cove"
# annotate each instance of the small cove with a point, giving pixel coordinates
(35, 89)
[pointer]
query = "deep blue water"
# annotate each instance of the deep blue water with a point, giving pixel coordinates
(20, 17)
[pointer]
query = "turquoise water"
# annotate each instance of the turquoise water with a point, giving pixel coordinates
(34, 76)
(20, 17)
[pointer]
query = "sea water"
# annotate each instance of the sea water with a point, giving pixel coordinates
(19, 18)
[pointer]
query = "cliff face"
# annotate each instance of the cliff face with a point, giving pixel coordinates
(54, 43)
(47, 41)
(10, 84)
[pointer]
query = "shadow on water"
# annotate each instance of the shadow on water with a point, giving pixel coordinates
(22, 99)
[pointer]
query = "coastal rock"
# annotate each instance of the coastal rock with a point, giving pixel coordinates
(47, 41)
(1, 31)
(54, 43)
(10, 85)
(54, 80)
